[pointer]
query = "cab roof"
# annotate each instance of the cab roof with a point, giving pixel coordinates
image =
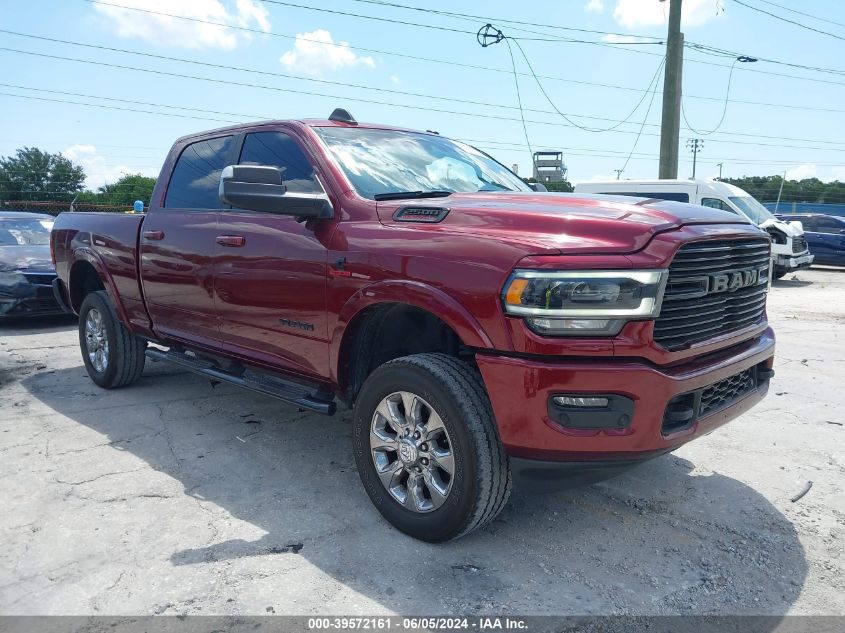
(243, 127)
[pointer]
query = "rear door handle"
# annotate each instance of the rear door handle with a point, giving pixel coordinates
(231, 240)
(153, 235)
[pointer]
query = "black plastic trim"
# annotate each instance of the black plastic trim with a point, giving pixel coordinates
(545, 475)
(616, 415)
(58, 295)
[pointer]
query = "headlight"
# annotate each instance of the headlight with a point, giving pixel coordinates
(583, 303)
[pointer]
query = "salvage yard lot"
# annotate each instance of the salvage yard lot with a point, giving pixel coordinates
(177, 496)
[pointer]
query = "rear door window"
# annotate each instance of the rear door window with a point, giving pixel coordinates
(665, 195)
(829, 225)
(194, 182)
(277, 149)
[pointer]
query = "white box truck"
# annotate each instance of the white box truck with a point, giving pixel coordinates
(789, 246)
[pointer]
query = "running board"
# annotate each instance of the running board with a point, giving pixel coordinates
(291, 392)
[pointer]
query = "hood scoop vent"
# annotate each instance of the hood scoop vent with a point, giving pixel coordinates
(426, 215)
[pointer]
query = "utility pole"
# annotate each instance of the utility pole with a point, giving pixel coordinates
(780, 191)
(694, 145)
(618, 173)
(719, 165)
(671, 122)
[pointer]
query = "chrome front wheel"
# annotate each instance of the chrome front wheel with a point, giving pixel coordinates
(412, 452)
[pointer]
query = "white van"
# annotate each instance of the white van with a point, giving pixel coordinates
(789, 246)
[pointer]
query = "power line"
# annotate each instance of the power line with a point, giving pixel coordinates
(453, 62)
(392, 91)
(566, 118)
(783, 19)
(284, 75)
(645, 117)
(809, 15)
(519, 101)
(475, 18)
(720, 52)
(724, 107)
(336, 97)
(546, 37)
(98, 105)
(430, 26)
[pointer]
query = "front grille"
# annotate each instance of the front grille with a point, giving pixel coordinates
(694, 309)
(40, 278)
(799, 244)
(726, 392)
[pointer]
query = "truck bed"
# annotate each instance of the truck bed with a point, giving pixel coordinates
(109, 243)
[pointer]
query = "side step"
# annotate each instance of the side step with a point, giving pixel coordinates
(291, 392)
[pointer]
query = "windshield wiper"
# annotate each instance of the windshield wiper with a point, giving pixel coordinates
(401, 195)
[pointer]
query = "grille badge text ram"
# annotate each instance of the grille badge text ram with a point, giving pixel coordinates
(733, 280)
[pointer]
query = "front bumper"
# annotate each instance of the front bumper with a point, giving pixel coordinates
(794, 262)
(28, 299)
(520, 390)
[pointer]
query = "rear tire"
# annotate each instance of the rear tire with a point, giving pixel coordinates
(113, 356)
(455, 477)
(779, 272)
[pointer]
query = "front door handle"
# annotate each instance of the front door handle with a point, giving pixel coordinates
(231, 240)
(153, 235)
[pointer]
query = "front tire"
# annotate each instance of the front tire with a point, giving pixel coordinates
(113, 356)
(779, 272)
(427, 447)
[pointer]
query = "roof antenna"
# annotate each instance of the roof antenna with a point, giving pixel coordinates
(340, 115)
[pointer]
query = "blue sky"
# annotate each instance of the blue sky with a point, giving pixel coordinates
(468, 93)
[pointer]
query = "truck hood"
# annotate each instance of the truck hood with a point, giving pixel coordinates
(556, 222)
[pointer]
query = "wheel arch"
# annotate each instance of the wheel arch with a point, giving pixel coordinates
(89, 274)
(363, 339)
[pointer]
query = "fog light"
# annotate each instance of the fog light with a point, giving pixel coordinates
(573, 401)
(575, 327)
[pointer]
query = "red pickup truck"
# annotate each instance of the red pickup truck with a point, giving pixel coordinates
(479, 329)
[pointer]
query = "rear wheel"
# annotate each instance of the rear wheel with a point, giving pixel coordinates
(779, 272)
(427, 447)
(113, 356)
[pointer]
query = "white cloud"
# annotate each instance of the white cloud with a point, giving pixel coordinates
(807, 170)
(641, 13)
(316, 52)
(596, 6)
(98, 171)
(394, 79)
(170, 31)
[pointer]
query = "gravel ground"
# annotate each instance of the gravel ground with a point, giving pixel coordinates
(175, 496)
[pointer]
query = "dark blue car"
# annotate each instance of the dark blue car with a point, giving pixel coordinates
(26, 269)
(825, 236)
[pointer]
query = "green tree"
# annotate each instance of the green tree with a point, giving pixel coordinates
(766, 189)
(123, 192)
(32, 174)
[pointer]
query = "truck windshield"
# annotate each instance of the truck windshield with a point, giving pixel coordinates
(755, 211)
(392, 161)
(25, 232)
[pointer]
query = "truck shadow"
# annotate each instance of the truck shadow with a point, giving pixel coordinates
(664, 538)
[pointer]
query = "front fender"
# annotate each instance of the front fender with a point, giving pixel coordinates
(413, 293)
